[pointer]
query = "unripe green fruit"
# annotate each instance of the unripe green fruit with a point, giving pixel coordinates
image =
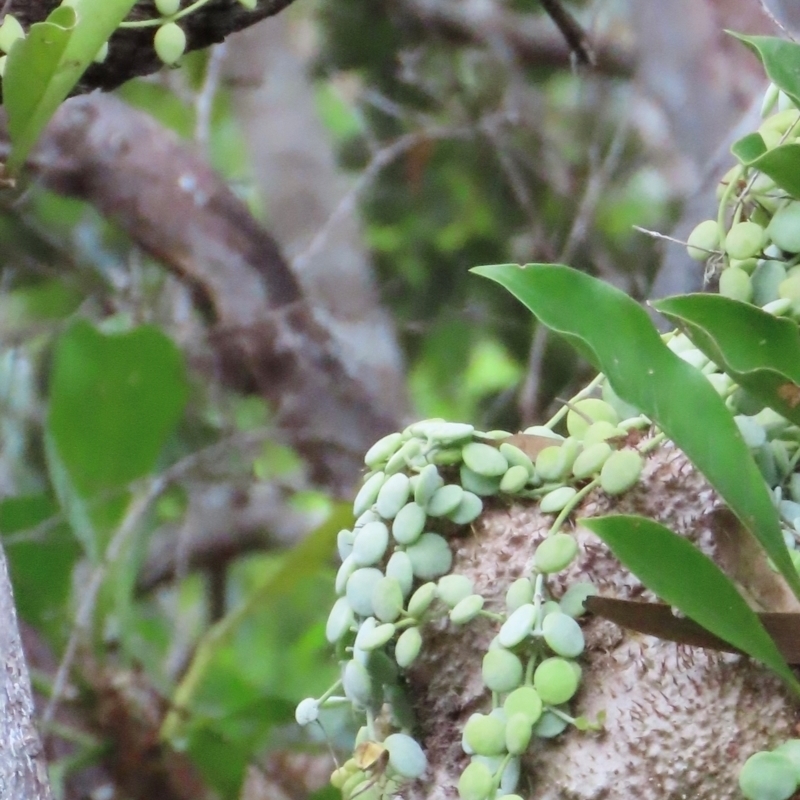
(591, 460)
(383, 450)
(555, 681)
(430, 556)
(249, 4)
(745, 240)
(518, 626)
(702, 240)
(555, 553)
(409, 523)
(445, 500)
(585, 412)
(406, 757)
(502, 671)
(475, 782)
(519, 593)
(409, 643)
(767, 776)
(784, 229)
(421, 600)
(452, 589)
(524, 700)
(387, 599)
(518, 731)
(485, 735)
(468, 509)
(572, 603)
(393, 495)
(484, 459)
(791, 747)
(557, 500)
(736, 284)
(767, 277)
(467, 609)
(167, 7)
(169, 43)
(621, 471)
(368, 493)
(563, 635)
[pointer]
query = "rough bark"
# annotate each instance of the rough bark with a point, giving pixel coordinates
(680, 721)
(266, 336)
(131, 52)
(23, 766)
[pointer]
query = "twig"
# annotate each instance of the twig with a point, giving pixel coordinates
(204, 104)
(775, 21)
(570, 29)
(380, 160)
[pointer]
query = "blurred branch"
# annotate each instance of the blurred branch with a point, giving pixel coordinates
(266, 336)
(532, 44)
(23, 767)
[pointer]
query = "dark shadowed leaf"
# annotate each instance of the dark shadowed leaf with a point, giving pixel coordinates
(618, 338)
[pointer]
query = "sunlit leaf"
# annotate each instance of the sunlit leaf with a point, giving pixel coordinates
(759, 351)
(781, 163)
(616, 336)
(682, 576)
(781, 60)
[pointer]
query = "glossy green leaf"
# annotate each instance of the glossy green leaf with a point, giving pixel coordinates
(781, 163)
(781, 60)
(618, 338)
(114, 400)
(682, 576)
(759, 351)
(42, 69)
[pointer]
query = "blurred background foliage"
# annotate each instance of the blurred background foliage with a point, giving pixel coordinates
(461, 149)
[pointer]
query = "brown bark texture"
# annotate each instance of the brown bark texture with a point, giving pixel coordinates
(23, 766)
(680, 720)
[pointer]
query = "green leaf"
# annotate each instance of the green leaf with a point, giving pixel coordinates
(114, 400)
(781, 60)
(759, 351)
(42, 69)
(782, 163)
(681, 575)
(40, 566)
(619, 339)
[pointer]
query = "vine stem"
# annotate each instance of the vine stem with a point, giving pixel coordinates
(158, 21)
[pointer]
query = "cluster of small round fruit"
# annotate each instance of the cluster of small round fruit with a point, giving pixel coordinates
(395, 577)
(754, 244)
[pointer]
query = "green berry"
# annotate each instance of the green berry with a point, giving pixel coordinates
(555, 681)
(307, 711)
(421, 600)
(468, 509)
(524, 700)
(485, 735)
(557, 500)
(736, 284)
(340, 620)
(745, 240)
(516, 457)
(549, 725)
(409, 643)
(376, 637)
(452, 589)
(768, 776)
(518, 731)
(406, 757)
(518, 626)
(393, 495)
(515, 479)
(167, 7)
(445, 500)
(519, 593)
(621, 471)
(591, 460)
(784, 228)
(476, 782)
(169, 43)
(387, 599)
(552, 463)
(399, 567)
(383, 450)
(766, 279)
(357, 683)
(359, 589)
(703, 240)
(428, 481)
(600, 432)
(555, 553)
(370, 544)
(430, 556)
(467, 609)
(791, 747)
(368, 493)
(574, 598)
(502, 671)
(563, 635)
(478, 484)
(484, 459)
(408, 524)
